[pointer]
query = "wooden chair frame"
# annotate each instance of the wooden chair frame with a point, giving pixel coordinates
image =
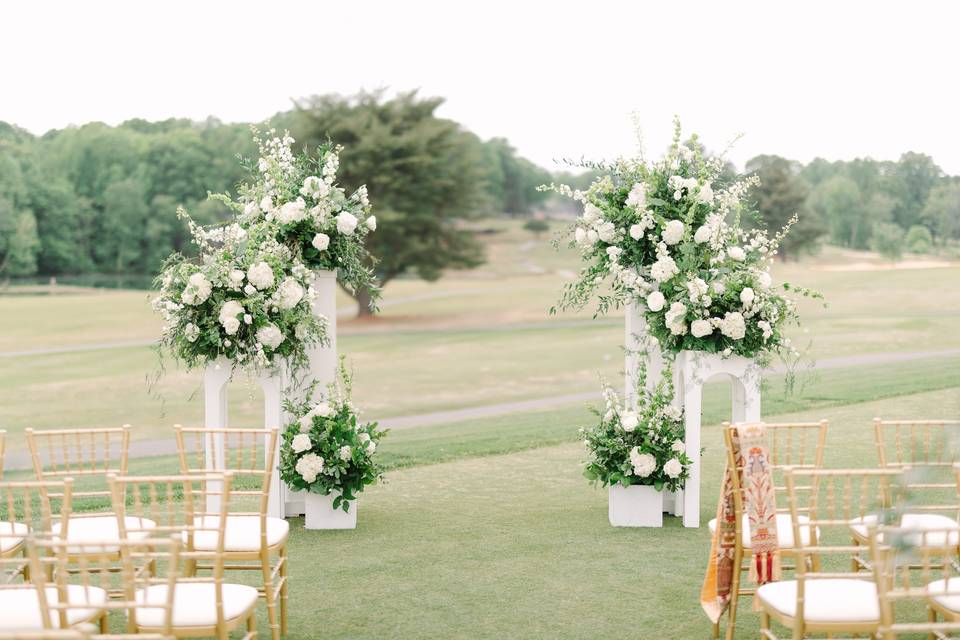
(3, 449)
(825, 513)
(17, 503)
(211, 447)
(782, 441)
(178, 504)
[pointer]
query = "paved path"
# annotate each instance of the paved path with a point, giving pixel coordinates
(147, 448)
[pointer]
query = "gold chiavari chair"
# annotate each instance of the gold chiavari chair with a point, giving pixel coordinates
(925, 450)
(194, 507)
(797, 444)
(253, 538)
(88, 456)
(825, 596)
(30, 507)
(3, 450)
(80, 633)
(917, 581)
(82, 577)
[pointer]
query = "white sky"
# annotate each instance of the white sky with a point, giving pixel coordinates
(801, 79)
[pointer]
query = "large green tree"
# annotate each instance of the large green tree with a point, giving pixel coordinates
(941, 212)
(781, 195)
(424, 174)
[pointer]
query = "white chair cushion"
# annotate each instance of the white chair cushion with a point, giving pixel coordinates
(12, 534)
(194, 604)
(827, 600)
(20, 608)
(784, 530)
(918, 521)
(90, 529)
(243, 533)
(949, 591)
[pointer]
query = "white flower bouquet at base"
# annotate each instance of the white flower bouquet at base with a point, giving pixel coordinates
(326, 449)
(637, 447)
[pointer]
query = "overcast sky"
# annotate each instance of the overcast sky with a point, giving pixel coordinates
(800, 79)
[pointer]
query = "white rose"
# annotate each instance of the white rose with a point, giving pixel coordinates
(678, 446)
(696, 288)
(629, 421)
(363, 437)
(345, 453)
(607, 231)
(736, 253)
(702, 235)
(580, 235)
(247, 318)
(197, 290)
(301, 442)
(372, 223)
(249, 289)
(371, 446)
(655, 301)
(270, 336)
(706, 194)
(251, 210)
(765, 327)
(260, 275)
(673, 468)
(672, 412)
(643, 463)
(614, 253)
(701, 328)
(321, 241)
(346, 223)
(733, 325)
(309, 466)
(191, 332)
(322, 409)
(764, 280)
(636, 231)
(314, 187)
(591, 213)
(674, 318)
(266, 203)
(637, 198)
(673, 232)
(306, 423)
(236, 278)
(718, 287)
(747, 296)
(592, 236)
(289, 293)
(230, 326)
(230, 309)
(292, 211)
(664, 269)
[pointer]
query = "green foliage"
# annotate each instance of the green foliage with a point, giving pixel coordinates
(941, 213)
(918, 239)
(536, 226)
(325, 449)
(888, 240)
(780, 196)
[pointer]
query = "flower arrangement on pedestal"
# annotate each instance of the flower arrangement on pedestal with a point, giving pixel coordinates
(642, 446)
(246, 298)
(666, 234)
(326, 449)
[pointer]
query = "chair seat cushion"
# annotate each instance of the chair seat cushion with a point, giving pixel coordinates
(949, 593)
(919, 521)
(784, 530)
(92, 529)
(194, 604)
(826, 600)
(11, 535)
(243, 533)
(20, 608)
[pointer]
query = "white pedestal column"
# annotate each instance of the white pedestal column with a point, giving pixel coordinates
(323, 365)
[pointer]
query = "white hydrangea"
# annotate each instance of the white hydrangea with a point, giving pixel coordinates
(346, 452)
(613, 253)
(270, 336)
(606, 231)
(701, 328)
(629, 421)
(580, 235)
(696, 288)
(702, 234)
(322, 409)
(198, 289)
(236, 278)
(266, 204)
(764, 280)
(591, 213)
(321, 241)
(643, 463)
(309, 467)
(675, 320)
(636, 231)
(306, 423)
(314, 187)
(673, 232)
(705, 195)
(737, 253)
(289, 293)
(655, 301)
(673, 468)
(301, 442)
(747, 296)
(191, 332)
(228, 316)
(663, 269)
(346, 223)
(672, 412)
(637, 198)
(294, 211)
(733, 325)
(370, 447)
(678, 446)
(260, 275)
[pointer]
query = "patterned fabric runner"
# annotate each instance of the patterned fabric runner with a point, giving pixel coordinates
(760, 506)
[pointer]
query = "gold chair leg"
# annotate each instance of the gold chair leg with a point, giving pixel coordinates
(104, 624)
(283, 590)
(269, 595)
(734, 592)
(715, 631)
(252, 624)
(931, 617)
(764, 623)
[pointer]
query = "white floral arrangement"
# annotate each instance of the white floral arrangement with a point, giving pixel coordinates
(641, 446)
(246, 298)
(668, 236)
(326, 449)
(299, 201)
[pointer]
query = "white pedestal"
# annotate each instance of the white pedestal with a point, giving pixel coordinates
(635, 506)
(691, 370)
(323, 366)
(321, 514)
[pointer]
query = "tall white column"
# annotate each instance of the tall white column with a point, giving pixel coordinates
(215, 379)
(323, 364)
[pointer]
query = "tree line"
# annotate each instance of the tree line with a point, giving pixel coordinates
(101, 199)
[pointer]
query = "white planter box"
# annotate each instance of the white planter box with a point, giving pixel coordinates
(635, 506)
(320, 513)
